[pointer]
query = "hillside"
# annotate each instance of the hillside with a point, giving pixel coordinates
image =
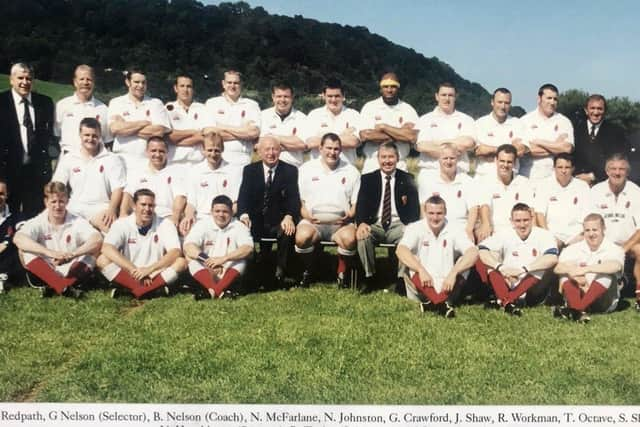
(163, 37)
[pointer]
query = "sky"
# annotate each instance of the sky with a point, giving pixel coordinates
(583, 45)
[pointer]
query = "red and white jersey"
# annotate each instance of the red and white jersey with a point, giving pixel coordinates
(439, 126)
(493, 133)
(150, 109)
(92, 179)
(216, 241)
(580, 254)
(183, 119)
(501, 198)
(563, 207)
(321, 186)
(539, 126)
(621, 214)
(516, 252)
(293, 125)
(221, 111)
(460, 195)
(143, 250)
(67, 237)
(377, 112)
(203, 184)
(70, 111)
(436, 253)
(166, 184)
(322, 121)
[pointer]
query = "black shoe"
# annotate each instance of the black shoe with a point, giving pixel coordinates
(400, 287)
(4, 277)
(492, 305)
(306, 279)
(115, 293)
(228, 294)
(341, 281)
(279, 282)
(512, 310)
(637, 306)
(46, 292)
(561, 312)
(73, 292)
(201, 294)
(427, 307)
(581, 317)
(447, 311)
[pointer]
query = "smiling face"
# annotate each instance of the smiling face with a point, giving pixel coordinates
(387, 159)
(137, 85)
(56, 204)
(282, 100)
(448, 161)
(212, 149)
(232, 85)
(617, 171)
(595, 110)
(157, 153)
(90, 140)
(334, 100)
(184, 90)
(501, 104)
(504, 164)
(522, 222)
(221, 214)
(83, 82)
(593, 233)
(330, 152)
(143, 209)
(436, 215)
(269, 151)
(21, 81)
(563, 170)
(446, 99)
(548, 102)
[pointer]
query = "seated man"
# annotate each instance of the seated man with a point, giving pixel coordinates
(9, 264)
(166, 182)
(141, 252)
(217, 248)
(328, 191)
(428, 249)
(387, 202)
(590, 271)
(57, 246)
(515, 260)
(96, 177)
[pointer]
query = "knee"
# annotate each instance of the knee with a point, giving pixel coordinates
(180, 264)
(304, 236)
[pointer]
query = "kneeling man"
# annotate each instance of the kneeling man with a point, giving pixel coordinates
(141, 252)
(590, 271)
(57, 246)
(217, 248)
(428, 249)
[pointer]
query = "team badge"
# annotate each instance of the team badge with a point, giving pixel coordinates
(459, 125)
(68, 238)
(76, 170)
(204, 184)
(627, 204)
(490, 134)
(242, 114)
(444, 243)
(294, 131)
(69, 115)
(155, 239)
(425, 243)
(496, 196)
(344, 180)
(378, 118)
(168, 180)
(224, 184)
(101, 168)
(517, 196)
(98, 117)
(131, 241)
(195, 116)
(126, 114)
(534, 252)
(169, 107)
(514, 253)
(143, 180)
(433, 125)
(324, 125)
(400, 120)
(575, 200)
(554, 199)
(510, 134)
(148, 113)
(459, 193)
(314, 179)
(220, 111)
(555, 129)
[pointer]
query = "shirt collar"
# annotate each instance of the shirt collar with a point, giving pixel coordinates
(18, 99)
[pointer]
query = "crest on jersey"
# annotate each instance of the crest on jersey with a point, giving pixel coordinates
(400, 120)
(148, 113)
(555, 129)
(143, 180)
(627, 204)
(514, 253)
(496, 195)
(434, 125)
(195, 116)
(131, 241)
(444, 243)
(220, 111)
(459, 193)
(459, 125)
(534, 252)
(517, 196)
(101, 168)
(98, 117)
(242, 114)
(425, 243)
(575, 200)
(344, 181)
(168, 180)
(224, 184)
(294, 131)
(490, 134)
(155, 239)
(324, 125)
(204, 184)
(378, 117)
(76, 170)
(68, 238)
(553, 199)
(510, 134)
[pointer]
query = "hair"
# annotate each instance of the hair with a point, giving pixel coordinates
(158, 139)
(84, 67)
(333, 83)
(520, 207)
(594, 217)
(232, 72)
(133, 70)
(20, 66)
(446, 84)
(449, 146)
(389, 146)
(331, 136)
(507, 148)
(91, 123)
(616, 157)
(222, 200)
(548, 86)
(435, 200)
(500, 90)
(281, 86)
(55, 187)
(563, 156)
(214, 138)
(143, 192)
(182, 76)
(389, 75)
(596, 97)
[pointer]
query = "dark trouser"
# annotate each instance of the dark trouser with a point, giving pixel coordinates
(26, 192)
(284, 250)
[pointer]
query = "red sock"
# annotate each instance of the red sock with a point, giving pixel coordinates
(578, 301)
(482, 272)
(40, 268)
(229, 276)
(156, 283)
(525, 284)
(342, 265)
(205, 278)
(126, 280)
(499, 285)
(79, 270)
(428, 292)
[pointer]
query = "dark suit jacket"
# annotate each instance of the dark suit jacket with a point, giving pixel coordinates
(11, 150)
(284, 196)
(371, 193)
(591, 156)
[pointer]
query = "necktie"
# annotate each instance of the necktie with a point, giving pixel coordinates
(26, 122)
(592, 134)
(386, 204)
(267, 191)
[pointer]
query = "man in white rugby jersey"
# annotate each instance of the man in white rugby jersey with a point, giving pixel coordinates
(334, 117)
(96, 177)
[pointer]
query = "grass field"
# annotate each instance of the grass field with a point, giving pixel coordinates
(319, 345)
(55, 90)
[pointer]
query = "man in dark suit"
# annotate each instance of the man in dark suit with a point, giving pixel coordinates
(595, 140)
(269, 204)
(26, 131)
(387, 201)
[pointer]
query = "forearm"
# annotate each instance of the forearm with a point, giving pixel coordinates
(27, 244)
(122, 128)
(192, 251)
(153, 130)
(291, 143)
(115, 200)
(239, 254)
(406, 257)
(375, 136)
(178, 207)
(542, 263)
(90, 247)
(114, 255)
(541, 221)
(466, 261)
(605, 267)
(485, 150)
(488, 258)
(402, 134)
(176, 136)
(246, 132)
(349, 140)
(195, 139)
(165, 261)
(127, 205)
(633, 240)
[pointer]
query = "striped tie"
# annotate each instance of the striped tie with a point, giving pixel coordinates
(386, 204)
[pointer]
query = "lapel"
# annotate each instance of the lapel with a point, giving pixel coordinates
(11, 110)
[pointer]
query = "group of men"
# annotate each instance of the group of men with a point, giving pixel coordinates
(178, 191)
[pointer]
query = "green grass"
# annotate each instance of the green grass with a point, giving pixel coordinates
(55, 90)
(318, 345)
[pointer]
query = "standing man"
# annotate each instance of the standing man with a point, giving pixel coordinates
(286, 124)
(327, 186)
(269, 204)
(141, 252)
(235, 118)
(96, 177)
(547, 133)
(217, 249)
(187, 121)
(72, 109)
(334, 117)
(429, 249)
(57, 246)
(596, 139)
(445, 124)
(495, 129)
(516, 259)
(387, 119)
(590, 271)
(387, 203)
(134, 118)
(26, 131)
